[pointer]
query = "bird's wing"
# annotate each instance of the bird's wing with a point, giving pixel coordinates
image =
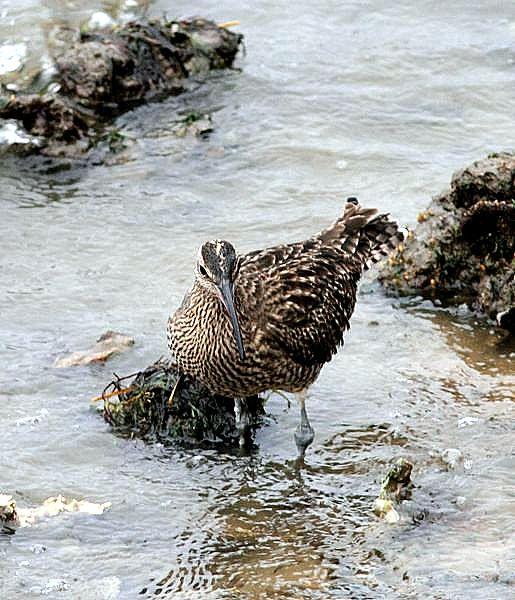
(307, 290)
(307, 295)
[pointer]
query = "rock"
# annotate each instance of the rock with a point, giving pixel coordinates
(9, 520)
(463, 246)
(108, 344)
(12, 57)
(100, 20)
(451, 457)
(59, 504)
(395, 488)
(100, 74)
(12, 517)
(155, 405)
(460, 501)
(14, 136)
(194, 124)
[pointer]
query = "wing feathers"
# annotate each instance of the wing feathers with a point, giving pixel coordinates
(307, 290)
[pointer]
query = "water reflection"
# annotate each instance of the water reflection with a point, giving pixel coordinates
(482, 346)
(273, 532)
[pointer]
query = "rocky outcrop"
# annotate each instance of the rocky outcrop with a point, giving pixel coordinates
(462, 250)
(105, 73)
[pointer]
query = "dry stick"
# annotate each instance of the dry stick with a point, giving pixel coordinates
(228, 24)
(175, 389)
(111, 394)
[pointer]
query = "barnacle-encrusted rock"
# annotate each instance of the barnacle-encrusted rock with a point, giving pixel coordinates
(462, 250)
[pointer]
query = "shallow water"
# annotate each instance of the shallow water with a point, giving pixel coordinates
(356, 98)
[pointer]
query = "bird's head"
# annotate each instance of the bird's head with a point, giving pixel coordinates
(215, 271)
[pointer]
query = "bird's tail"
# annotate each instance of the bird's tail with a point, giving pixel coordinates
(363, 233)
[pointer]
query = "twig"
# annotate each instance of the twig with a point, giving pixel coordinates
(228, 24)
(111, 394)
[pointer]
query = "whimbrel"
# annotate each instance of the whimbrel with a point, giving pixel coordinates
(270, 319)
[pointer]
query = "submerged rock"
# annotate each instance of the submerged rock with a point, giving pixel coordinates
(107, 72)
(462, 250)
(155, 405)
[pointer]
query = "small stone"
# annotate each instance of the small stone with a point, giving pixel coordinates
(100, 20)
(452, 457)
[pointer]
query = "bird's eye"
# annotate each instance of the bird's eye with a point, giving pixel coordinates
(203, 272)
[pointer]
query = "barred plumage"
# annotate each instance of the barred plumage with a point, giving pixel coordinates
(292, 305)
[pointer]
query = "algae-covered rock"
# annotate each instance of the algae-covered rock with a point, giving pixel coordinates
(101, 74)
(395, 488)
(110, 71)
(160, 404)
(462, 250)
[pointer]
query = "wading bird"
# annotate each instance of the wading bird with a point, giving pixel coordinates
(270, 319)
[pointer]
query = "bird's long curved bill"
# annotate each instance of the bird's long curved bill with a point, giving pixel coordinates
(226, 292)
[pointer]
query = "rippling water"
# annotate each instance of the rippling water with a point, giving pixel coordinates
(372, 99)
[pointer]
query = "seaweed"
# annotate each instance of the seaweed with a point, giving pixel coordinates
(161, 404)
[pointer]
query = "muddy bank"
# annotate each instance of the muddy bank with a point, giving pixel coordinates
(155, 404)
(462, 250)
(105, 73)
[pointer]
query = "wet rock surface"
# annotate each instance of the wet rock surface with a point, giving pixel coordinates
(155, 405)
(105, 73)
(462, 250)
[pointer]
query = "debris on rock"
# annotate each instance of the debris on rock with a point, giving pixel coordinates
(159, 403)
(108, 344)
(106, 72)
(462, 250)
(12, 517)
(9, 520)
(395, 488)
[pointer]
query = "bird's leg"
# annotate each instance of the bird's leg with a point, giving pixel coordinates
(242, 420)
(304, 434)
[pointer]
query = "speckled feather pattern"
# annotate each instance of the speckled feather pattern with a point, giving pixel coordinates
(294, 303)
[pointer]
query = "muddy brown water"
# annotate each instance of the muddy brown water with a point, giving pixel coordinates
(372, 99)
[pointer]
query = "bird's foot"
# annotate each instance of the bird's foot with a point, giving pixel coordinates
(304, 436)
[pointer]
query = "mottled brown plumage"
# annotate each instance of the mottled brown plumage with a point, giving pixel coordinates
(292, 305)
